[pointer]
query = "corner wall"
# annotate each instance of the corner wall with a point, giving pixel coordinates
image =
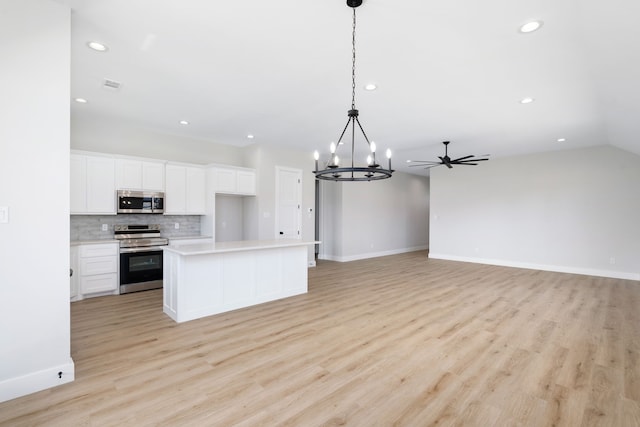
(263, 207)
(35, 334)
(573, 211)
(369, 219)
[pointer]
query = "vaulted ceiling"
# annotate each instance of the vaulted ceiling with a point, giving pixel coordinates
(280, 70)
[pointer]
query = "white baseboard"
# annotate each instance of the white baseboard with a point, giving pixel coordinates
(544, 267)
(371, 254)
(36, 381)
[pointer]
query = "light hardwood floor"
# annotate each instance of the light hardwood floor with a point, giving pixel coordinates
(400, 340)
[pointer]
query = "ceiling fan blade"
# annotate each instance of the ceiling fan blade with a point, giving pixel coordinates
(465, 160)
(426, 164)
(462, 158)
(473, 160)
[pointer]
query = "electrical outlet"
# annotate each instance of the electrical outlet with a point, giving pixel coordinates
(105, 227)
(176, 225)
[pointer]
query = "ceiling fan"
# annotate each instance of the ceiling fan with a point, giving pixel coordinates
(469, 160)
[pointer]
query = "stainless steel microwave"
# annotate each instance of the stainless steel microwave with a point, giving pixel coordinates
(140, 202)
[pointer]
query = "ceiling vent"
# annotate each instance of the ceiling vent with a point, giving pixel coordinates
(111, 84)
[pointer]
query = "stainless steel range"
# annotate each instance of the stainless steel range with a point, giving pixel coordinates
(140, 257)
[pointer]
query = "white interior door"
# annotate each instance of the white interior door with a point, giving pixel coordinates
(288, 203)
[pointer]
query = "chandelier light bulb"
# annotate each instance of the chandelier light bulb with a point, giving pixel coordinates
(332, 148)
(369, 159)
(373, 147)
(336, 160)
(388, 153)
(316, 155)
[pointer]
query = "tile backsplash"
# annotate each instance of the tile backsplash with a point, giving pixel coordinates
(89, 227)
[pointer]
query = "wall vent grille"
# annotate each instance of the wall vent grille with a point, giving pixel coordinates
(111, 84)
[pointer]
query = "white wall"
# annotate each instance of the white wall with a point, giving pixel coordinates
(263, 207)
(115, 136)
(229, 218)
(34, 172)
(377, 218)
(574, 211)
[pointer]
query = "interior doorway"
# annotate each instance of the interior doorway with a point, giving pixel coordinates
(288, 203)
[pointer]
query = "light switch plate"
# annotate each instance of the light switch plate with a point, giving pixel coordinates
(4, 214)
(105, 227)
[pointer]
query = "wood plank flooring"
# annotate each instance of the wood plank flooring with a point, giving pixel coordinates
(394, 341)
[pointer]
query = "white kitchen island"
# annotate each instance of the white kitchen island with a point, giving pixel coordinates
(211, 278)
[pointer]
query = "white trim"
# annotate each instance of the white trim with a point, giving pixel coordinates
(544, 267)
(36, 381)
(371, 254)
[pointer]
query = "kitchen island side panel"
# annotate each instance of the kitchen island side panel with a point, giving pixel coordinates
(206, 284)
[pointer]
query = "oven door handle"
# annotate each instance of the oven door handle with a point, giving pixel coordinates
(141, 249)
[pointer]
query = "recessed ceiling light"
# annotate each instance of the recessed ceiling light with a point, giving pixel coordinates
(184, 122)
(80, 100)
(562, 139)
(531, 26)
(527, 100)
(250, 136)
(371, 86)
(97, 46)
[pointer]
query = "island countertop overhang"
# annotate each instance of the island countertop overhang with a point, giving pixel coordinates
(235, 246)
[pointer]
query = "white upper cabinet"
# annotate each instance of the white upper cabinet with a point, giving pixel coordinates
(196, 194)
(153, 176)
(246, 182)
(185, 190)
(239, 181)
(139, 175)
(93, 188)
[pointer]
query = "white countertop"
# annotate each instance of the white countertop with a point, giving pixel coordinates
(172, 239)
(243, 245)
(92, 242)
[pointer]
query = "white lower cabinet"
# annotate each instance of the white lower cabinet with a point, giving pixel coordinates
(97, 270)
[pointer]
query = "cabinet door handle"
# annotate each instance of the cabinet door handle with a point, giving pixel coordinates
(282, 232)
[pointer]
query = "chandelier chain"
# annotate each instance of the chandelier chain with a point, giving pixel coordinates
(353, 62)
(332, 170)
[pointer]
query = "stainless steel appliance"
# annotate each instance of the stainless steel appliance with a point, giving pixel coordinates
(140, 257)
(140, 202)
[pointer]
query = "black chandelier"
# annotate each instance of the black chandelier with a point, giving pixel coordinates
(372, 171)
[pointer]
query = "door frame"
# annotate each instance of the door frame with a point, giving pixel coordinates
(277, 198)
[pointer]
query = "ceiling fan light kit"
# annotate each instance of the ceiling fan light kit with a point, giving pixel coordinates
(469, 160)
(332, 170)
